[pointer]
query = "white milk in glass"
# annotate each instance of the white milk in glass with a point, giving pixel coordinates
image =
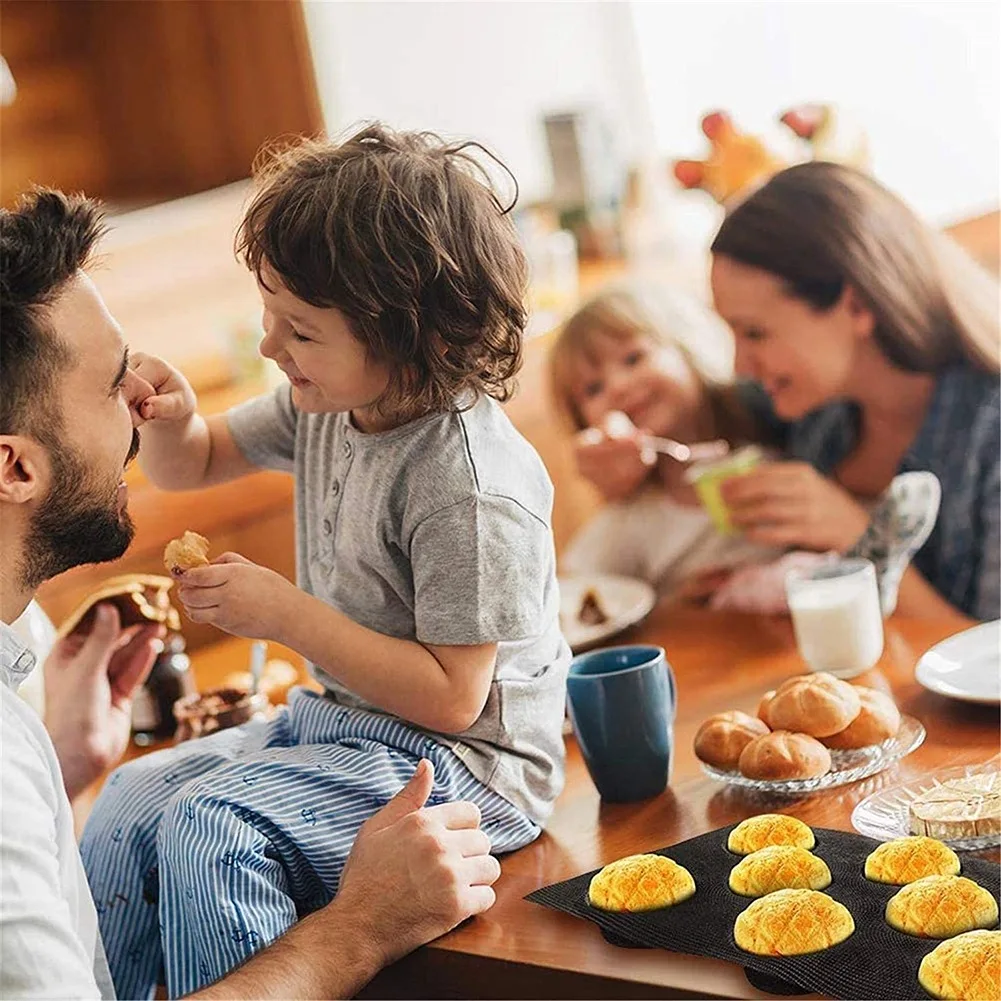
(836, 617)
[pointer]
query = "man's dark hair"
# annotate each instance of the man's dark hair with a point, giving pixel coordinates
(404, 234)
(44, 241)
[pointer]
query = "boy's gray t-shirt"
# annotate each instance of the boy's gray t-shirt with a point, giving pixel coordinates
(437, 531)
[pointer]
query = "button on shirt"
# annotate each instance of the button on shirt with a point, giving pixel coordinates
(49, 942)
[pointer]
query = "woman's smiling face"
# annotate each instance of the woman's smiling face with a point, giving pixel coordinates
(802, 356)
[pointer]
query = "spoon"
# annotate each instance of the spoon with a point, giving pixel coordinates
(703, 451)
(258, 654)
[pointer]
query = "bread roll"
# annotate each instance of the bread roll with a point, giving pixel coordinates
(878, 720)
(940, 907)
(792, 923)
(904, 860)
(722, 737)
(766, 701)
(766, 829)
(189, 551)
(964, 968)
(640, 883)
(779, 867)
(816, 704)
(782, 755)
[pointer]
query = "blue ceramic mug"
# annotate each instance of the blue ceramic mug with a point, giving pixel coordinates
(622, 702)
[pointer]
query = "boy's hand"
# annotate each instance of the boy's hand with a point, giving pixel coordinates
(237, 596)
(173, 398)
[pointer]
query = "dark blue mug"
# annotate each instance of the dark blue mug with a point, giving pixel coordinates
(622, 702)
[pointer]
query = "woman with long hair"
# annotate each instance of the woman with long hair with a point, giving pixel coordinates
(876, 343)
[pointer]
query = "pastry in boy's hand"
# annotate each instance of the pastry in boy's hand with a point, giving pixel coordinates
(878, 720)
(189, 551)
(779, 867)
(940, 907)
(640, 883)
(816, 704)
(780, 756)
(964, 968)
(792, 923)
(766, 829)
(904, 860)
(722, 737)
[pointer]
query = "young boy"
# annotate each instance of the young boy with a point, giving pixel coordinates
(393, 288)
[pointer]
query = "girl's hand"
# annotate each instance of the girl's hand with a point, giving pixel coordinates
(617, 464)
(791, 504)
(238, 597)
(173, 398)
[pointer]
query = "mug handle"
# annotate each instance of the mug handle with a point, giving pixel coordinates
(671, 685)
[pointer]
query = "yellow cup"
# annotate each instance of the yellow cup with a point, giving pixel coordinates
(708, 477)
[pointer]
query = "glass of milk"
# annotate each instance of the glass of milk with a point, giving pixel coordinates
(836, 616)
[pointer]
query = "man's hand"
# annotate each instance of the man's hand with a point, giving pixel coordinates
(416, 872)
(172, 400)
(238, 597)
(790, 504)
(89, 683)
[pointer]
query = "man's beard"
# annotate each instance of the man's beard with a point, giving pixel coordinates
(78, 522)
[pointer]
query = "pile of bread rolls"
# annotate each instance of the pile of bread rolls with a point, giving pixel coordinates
(796, 728)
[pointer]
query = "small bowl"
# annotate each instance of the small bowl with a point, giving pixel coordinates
(203, 713)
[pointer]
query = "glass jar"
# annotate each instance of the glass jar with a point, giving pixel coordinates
(153, 705)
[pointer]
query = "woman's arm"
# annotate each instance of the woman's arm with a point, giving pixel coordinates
(919, 600)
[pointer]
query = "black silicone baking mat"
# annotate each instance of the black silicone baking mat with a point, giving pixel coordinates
(876, 962)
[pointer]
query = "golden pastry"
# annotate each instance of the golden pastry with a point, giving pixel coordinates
(878, 720)
(766, 829)
(964, 968)
(141, 598)
(722, 737)
(791, 923)
(940, 907)
(766, 701)
(640, 883)
(189, 551)
(817, 704)
(904, 860)
(779, 867)
(782, 755)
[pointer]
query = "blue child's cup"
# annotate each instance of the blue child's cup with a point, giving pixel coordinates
(622, 702)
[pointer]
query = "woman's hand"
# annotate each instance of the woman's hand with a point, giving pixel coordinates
(790, 504)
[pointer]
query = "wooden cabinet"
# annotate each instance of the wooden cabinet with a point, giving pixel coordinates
(137, 101)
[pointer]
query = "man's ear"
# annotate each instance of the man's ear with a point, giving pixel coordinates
(24, 469)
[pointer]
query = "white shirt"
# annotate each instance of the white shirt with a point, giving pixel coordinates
(50, 946)
(653, 537)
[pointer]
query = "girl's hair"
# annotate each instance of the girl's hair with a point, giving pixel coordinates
(404, 234)
(821, 227)
(667, 318)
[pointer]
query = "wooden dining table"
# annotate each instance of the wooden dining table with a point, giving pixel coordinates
(720, 661)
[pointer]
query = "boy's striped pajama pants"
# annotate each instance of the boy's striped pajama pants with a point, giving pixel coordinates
(200, 855)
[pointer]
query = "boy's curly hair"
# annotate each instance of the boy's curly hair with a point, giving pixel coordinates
(403, 233)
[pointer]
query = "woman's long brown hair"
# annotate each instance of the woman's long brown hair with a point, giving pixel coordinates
(821, 227)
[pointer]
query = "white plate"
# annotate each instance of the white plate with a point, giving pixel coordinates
(624, 600)
(886, 814)
(966, 666)
(846, 766)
